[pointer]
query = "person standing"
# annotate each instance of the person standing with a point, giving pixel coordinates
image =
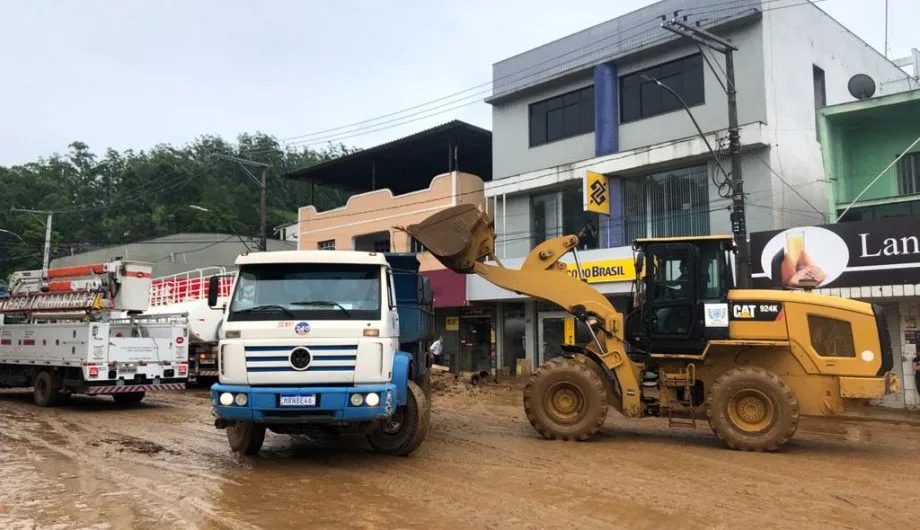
(916, 365)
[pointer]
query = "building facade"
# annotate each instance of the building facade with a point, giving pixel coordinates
(400, 183)
(871, 150)
(590, 104)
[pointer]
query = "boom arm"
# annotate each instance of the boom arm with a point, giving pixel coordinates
(463, 238)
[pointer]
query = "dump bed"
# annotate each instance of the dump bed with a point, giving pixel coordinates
(414, 301)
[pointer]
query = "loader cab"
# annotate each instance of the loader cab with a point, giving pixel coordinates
(677, 280)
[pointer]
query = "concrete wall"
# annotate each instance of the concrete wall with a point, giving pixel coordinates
(799, 37)
(511, 151)
(380, 211)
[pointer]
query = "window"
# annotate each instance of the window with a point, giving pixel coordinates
(642, 98)
(562, 116)
(561, 212)
(909, 174)
(416, 246)
(328, 244)
(820, 94)
(306, 291)
(382, 245)
(667, 204)
(671, 273)
(831, 337)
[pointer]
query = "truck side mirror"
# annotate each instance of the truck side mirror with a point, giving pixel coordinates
(213, 287)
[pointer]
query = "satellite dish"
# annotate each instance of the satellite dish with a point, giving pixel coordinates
(861, 86)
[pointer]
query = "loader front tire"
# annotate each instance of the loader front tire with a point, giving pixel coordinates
(565, 400)
(751, 409)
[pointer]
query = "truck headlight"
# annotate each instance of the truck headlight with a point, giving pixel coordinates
(241, 400)
(226, 399)
(372, 399)
(356, 400)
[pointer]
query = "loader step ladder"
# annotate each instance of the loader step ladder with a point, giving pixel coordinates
(38, 302)
(680, 412)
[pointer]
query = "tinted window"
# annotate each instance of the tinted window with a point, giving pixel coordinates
(293, 291)
(562, 116)
(641, 98)
(831, 337)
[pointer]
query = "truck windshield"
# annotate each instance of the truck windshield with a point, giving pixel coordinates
(306, 291)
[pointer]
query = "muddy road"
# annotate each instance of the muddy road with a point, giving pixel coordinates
(161, 464)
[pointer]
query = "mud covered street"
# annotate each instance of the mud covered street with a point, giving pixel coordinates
(161, 464)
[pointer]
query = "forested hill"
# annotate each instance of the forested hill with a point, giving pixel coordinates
(102, 199)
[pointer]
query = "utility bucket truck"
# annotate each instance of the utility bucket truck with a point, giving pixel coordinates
(78, 330)
(320, 342)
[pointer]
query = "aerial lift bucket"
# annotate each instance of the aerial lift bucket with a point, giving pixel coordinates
(458, 237)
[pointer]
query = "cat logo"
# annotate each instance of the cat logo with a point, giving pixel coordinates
(760, 311)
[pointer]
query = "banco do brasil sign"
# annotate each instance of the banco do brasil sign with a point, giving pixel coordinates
(608, 270)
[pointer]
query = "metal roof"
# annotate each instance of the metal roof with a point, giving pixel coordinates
(408, 163)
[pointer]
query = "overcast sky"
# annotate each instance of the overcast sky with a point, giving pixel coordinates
(131, 74)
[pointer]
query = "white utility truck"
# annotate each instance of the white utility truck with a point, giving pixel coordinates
(186, 293)
(77, 330)
(311, 343)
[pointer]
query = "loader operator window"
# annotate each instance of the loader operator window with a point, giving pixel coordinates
(308, 291)
(831, 337)
(672, 276)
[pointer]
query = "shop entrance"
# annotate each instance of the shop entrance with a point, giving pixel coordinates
(558, 328)
(475, 343)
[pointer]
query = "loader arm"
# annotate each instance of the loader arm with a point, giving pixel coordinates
(462, 238)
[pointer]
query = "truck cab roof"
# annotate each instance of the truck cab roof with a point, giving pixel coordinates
(313, 256)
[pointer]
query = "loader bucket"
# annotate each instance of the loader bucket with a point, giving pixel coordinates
(458, 236)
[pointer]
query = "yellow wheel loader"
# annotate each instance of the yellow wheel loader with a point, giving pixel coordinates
(752, 362)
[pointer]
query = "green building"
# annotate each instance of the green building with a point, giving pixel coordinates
(859, 141)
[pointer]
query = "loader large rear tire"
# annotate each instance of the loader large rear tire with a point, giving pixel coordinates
(751, 409)
(565, 400)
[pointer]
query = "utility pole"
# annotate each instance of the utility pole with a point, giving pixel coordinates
(737, 216)
(47, 260)
(262, 182)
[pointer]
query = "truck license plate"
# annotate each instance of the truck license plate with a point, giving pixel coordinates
(128, 369)
(298, 400)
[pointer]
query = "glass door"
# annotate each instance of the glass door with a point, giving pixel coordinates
(558, 328)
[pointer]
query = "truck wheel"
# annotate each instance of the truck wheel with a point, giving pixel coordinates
(44, 392)
(128, 397)
(245, 437)
(565, 400)
(751, 409)
(405, 430)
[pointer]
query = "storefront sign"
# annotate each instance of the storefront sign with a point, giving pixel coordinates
(608, 270)
(883, 252)
(452, 324)
(597, 193)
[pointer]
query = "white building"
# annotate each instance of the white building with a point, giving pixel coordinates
(580, 104)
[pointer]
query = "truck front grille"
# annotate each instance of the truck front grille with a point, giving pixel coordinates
(323, 358)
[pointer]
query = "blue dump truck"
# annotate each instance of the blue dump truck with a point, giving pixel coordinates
(323, 342)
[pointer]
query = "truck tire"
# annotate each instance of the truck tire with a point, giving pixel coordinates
(565, 400)
(44, 392)
(128, 397)
(246, 437)
(405, 431)
(751, 409)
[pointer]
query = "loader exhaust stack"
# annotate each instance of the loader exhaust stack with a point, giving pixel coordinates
(458, 237)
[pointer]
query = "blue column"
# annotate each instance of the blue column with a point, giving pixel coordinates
(606, 110)
(613, 227)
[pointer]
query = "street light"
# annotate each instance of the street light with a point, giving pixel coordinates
(199, 208)
(222, 219)
(13, 234)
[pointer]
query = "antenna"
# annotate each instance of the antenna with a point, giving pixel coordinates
(861, 86)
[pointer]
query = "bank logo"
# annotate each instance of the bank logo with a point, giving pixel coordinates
(302, 328)
(597, 193)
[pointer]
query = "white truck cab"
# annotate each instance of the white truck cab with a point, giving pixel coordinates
(312, 338)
